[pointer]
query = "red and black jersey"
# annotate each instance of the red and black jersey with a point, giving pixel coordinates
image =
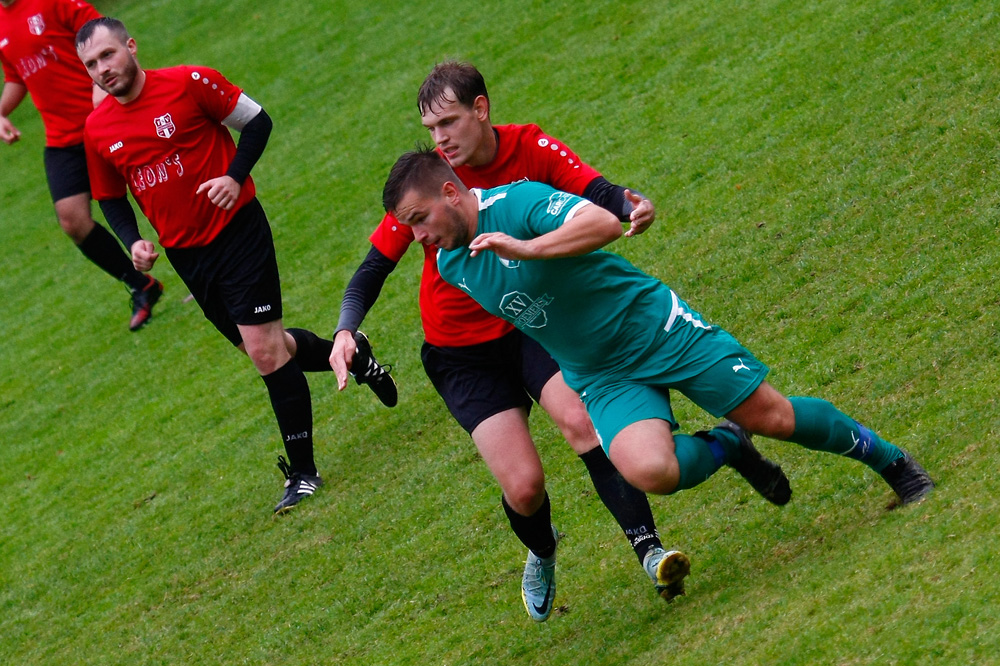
(450, 317)
(38, 50)
(164, 144)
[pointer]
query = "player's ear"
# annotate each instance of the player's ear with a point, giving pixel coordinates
(481, 107)
(449, 191)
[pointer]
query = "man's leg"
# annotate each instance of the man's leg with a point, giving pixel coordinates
(627, 504)
(100, 247)
(292, 404)
(818, 425)
(507, 449)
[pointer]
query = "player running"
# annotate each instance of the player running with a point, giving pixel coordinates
(163, 135)
(38, 54)
(487, 372)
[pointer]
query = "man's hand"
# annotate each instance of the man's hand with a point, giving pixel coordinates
(222, 191)
(504, 246)
(642, 216)
(8, 133)
(144, 255)
(342, 356)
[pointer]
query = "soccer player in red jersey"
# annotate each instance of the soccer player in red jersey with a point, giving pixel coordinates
(487, 371)
(162, 134)
(39, 56)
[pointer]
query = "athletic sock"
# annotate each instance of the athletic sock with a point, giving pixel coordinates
(534, 531)
(312, 352)
(628, 505)
(699, 456)
(822, 427)
(101, 248)
(292, 404)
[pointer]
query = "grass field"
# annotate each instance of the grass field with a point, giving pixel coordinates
(825, 175)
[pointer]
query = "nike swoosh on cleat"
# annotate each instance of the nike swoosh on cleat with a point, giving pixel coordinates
(545, 601)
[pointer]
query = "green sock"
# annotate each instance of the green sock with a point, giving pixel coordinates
(698, 459)
(822, 427)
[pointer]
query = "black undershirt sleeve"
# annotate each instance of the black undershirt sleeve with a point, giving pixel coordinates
(610, 197)
(121, 218)
(363, 290)
(253, 140)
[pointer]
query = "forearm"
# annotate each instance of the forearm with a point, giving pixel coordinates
(13, 94)
(121, 218)
(610, 197)
(363, 290)
(253, 140)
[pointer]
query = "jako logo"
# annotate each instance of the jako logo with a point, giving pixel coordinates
(261, 308)
(115, 146)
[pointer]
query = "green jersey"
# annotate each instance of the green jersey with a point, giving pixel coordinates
(596, 314)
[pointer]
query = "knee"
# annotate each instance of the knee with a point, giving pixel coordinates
(653, 473)
(76, 226)
(267, 358)
(577, 428)
(525, 494)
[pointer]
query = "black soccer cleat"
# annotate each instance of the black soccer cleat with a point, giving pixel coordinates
(142, 303)
(298, 486)
(764, 475)
(370, 372)
(908, 478)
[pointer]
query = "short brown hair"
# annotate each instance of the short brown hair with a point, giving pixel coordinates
(422, 169)
(463, 78)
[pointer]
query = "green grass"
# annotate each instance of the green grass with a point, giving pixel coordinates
(825, 177)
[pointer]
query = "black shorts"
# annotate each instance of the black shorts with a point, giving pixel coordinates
(66, 171)
(235, 277)
(480, 381)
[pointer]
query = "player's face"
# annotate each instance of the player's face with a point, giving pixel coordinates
(458, 130)
(110, 62)
(434, 220)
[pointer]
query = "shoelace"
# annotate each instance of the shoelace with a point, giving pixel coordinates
(375, 370)
(285, 468)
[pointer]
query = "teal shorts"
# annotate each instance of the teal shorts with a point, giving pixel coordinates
(715, 372)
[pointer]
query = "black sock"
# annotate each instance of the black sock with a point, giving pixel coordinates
(628, 505)
(101, 248)
(312, 352)
(292, 406)
(534, 531)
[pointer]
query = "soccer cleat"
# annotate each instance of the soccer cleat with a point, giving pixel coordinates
(538, 585)
(371, 372)
(764, 475)
(142, 303)
(908, 478)
(298, 486)
(667, 569)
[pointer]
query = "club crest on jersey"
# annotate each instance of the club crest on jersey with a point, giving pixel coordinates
(524, 312)
(509, 263)
(164, 126)
(36, 24)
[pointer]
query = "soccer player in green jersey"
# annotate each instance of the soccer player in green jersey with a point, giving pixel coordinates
(531, 255)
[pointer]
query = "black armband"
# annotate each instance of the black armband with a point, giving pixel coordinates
(610, 197)
(363, 290)
(121, 218)
(253, 140)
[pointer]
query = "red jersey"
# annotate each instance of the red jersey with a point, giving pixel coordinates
(164, 144)
(38, 51)
(450, 317)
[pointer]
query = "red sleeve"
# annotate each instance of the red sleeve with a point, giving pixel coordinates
(213, 93)
(74, 13)
(392, 238)
(10, 74)
(564, 170)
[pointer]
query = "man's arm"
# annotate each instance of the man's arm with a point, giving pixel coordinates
(628, 205)
(361, 293)
(121, 217)
(254, 126)
(590, 228)
(12, 95)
